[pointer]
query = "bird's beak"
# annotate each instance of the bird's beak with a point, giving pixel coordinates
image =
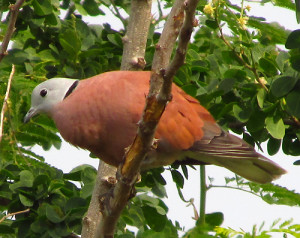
(32, 112)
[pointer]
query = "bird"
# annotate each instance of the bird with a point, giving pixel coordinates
(101, 114)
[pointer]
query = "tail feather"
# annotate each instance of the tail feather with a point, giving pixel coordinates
(233, 153)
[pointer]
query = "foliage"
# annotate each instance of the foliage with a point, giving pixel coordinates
(244, 79)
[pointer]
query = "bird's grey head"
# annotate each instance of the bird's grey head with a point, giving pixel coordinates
(48, 94)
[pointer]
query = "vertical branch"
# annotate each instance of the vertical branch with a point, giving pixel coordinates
(13, 14)
(136, 36)
(203, 190)
(4, 106)
(91, 220)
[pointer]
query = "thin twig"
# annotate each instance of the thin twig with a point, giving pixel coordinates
(231, 187)
(13, 14)
(13, 214)
(4, 106)
(238, 57)
(118, 14)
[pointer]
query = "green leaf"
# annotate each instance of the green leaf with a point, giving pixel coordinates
(261, 97)
(293, 103)
(155, 220)
(92, 8)
(39, 226)
(54, 213)
(293, 40)
(74, 203)
(214, 219)
(42, 7)
(193, 54)
(6, 229)
(273, 146)
(295, 62)
(26, 178)
(275, 127)
(297, 162)
(235, 73)
(25, 200)
(70, 41)
(177, 178)
(267, 66)
(185, 171)
(212, 24)
(241, 114)
(283, 85)
(199, 66)
(115, 39)
(297, 11)
(282, 60)
(226, 85)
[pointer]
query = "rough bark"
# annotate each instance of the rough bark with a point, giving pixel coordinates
(105, 178)
(136, 36)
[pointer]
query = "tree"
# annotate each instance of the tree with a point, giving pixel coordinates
(245, 80)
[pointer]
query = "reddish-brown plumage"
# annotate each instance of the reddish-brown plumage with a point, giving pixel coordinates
(111, 105)
(102, 113)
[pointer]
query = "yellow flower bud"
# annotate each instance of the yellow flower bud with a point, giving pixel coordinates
(243, 22)
(209, 10)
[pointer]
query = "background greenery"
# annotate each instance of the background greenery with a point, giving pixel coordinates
(248, 84)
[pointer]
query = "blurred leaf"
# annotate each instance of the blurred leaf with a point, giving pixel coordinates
(212, 24)
(226, 85)
(261, 97)
(177, 178)
(273, 146)
(297, 162)
(295, 61)
(240, 113)
(115, 39)
(42, 7)
(293, 40)
(54, 214)
(293, 103)
(92, 8)
(27, 202)
(297, 11)
(214, 219)
(155, 220)
(283, 85)
(267, 66)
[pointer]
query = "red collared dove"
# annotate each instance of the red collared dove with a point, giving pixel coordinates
(101, 113)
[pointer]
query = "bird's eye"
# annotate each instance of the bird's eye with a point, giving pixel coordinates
(43, 92)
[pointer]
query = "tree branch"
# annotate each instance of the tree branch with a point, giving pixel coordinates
(4, 106)
(13, 214)
(13, 14)
(155, 105)
(136, 37)
(105, 177)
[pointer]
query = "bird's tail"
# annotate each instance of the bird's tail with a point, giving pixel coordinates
(235, 154)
